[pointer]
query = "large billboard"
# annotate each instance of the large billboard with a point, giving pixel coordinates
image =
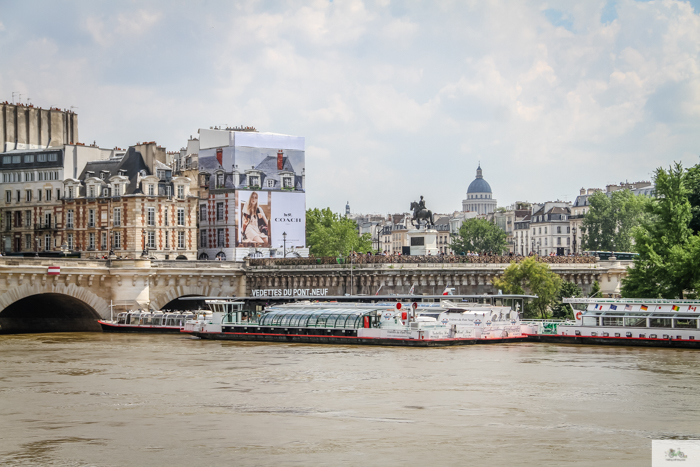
(265, 217)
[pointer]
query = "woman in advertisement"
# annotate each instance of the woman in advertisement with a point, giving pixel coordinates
(255, 225)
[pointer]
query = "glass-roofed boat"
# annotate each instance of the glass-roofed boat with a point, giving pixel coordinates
(328, 323)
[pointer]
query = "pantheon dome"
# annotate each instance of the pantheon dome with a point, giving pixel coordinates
(479, 195)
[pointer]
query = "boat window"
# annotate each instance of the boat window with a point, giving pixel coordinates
(612, 321)
(660, 322)
(636, 322)
(685, 323)
(590, 321)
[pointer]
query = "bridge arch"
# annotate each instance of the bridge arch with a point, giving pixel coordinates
(173, 293)
(50, 308)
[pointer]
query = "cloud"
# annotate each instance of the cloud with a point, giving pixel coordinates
(395, 100)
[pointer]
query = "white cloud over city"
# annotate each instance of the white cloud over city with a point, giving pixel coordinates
(395, 100)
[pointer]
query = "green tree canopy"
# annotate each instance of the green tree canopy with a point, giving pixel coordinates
(609, 223)
(330, 234)
(560, 309)
(479, 235)
(531, 276)
(668, 251)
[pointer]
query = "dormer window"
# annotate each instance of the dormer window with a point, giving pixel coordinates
(287, 182)
(270, 183)
(91, 191)
(254, 180)
(105, 192)
(70, 192)
(220, 180)
(151, 189)
(117, 190)
(181, 192)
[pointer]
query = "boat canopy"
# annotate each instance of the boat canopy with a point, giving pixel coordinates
(310, 317)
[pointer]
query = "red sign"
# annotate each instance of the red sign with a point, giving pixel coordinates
(54, 270)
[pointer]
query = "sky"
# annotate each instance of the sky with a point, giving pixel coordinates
(395, 99)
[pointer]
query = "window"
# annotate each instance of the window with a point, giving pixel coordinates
(48, 195)
(165, 216)
(203, 213)
(151, 189)
(219, 211)
(28, 195)
(558, 229)
(105, 192)
(545, 241)
(41, 157)
(27, 218)
(181, 192)
(203, 239)
(254, 180)
(270, 183)
(53, 157)
(16, 159)
(8, 196)
(558, 240)
(117, 217)
(180, 216)
(70, 241)
(70, 192)
(540, 230)
(220, 238)
(151, 216)
(117, 190)
(91, 241)
(219, 180)
(38, 195)
(47, 219)
(151, 239)
(58, 194)
(28, 242)
(545, 230)
(117, 241)
(91, 191)
(29, 158)
(69, 219)
(91, 218)
(7, 159)
(103, 246)
(287, 182)
(167, 240)
(181, 239)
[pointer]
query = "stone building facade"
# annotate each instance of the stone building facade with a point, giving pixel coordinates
(29, 127)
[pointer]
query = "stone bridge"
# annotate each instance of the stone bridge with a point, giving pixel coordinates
(31, 300)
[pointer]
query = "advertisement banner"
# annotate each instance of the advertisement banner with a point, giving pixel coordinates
(288, 216)
(254, 213)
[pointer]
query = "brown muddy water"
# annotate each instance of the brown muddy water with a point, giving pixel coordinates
(113, 400)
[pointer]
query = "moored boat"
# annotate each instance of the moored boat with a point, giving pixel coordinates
(629, 322)
(144, 321)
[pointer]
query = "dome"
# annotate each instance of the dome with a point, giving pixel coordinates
(479, 185)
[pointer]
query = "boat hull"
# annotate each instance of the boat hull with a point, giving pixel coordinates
(325, 339)
(109, 327)
(620, 341)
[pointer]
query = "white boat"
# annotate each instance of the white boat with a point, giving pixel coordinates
(147, 321)
(638, 322)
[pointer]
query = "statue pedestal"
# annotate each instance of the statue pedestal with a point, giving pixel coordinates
(423, 242)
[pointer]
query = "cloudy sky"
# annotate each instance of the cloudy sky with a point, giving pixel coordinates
(395, 99)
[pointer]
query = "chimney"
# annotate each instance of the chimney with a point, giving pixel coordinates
(280, 160)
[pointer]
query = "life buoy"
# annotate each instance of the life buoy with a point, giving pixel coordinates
(578, 316)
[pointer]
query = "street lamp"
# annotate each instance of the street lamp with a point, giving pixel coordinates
(36, 253)
(532, 250)
(284, 241)
(573, 229)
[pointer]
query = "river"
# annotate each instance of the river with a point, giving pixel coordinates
(112, 400)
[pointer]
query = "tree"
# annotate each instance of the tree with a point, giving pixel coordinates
(693, 186)
(595, 290)
(609, 223)
(560, 309)
(479, 235)
(531, 276)
(668, 251)
(330, 234)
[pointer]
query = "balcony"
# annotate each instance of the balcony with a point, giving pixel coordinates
(45, 226)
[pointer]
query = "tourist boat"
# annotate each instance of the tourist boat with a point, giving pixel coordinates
(491, 323)
(637, 322)
(147, 321)
(328, 323)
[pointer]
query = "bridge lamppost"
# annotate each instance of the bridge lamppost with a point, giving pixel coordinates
(284, 242)
(36, 253)
(573, 230)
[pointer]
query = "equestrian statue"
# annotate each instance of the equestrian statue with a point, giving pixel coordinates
(420, 213)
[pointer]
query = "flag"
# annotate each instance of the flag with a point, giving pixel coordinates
(599, 307)
(675, 307)
(692, 308)
(628, 307)
(644, 308)
(380, 288)
(413, 287)
(54, 270)
(446, 291)
(613, 307)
